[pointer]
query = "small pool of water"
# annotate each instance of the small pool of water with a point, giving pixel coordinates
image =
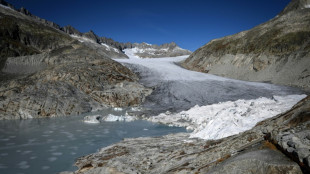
(51, 145)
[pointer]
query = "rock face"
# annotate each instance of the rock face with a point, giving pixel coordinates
(71, 30)
(45, 72)
(277, 51)
(259, 150)
(18, 39)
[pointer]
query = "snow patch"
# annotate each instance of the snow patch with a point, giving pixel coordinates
(109, 48)
(82, 39)
(131, 53)
(228, 118)
(307, 5)
(178, 49)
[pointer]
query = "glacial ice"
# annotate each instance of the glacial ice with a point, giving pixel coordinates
(228, 118)
(177, 89)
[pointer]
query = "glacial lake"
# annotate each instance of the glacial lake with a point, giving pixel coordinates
(51, 145)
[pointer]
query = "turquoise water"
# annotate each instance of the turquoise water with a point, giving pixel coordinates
(51, 145)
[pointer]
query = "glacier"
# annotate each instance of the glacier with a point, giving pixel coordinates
(212, 107)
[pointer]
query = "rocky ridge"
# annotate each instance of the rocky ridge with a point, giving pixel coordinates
(45, 72)
(143, 50)
(277, 51)
(113, 48)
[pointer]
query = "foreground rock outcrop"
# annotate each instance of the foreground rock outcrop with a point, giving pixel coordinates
(45, 72)
(277, 51)
(277, 145)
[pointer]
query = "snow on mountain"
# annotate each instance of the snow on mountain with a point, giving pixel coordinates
(306, 3)
(82, 39)
(145, 50)
(109, 48)
(228, 118)
(88, 40)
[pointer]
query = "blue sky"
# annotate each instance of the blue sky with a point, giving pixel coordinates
(190, 23)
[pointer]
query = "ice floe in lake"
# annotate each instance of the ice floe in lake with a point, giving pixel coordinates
(51, 159)
(92, 119)
(117, 109)
(112, 117)
(228, 118)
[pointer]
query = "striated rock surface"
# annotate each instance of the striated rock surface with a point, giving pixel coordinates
(45, 72)
(259, 150)
(74, 82)
(277, 51)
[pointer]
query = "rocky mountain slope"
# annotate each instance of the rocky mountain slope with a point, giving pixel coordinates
(277, 51)
(46, 72)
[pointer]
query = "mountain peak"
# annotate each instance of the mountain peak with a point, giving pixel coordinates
(296, 5)
(24, 11)
(71, 30)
